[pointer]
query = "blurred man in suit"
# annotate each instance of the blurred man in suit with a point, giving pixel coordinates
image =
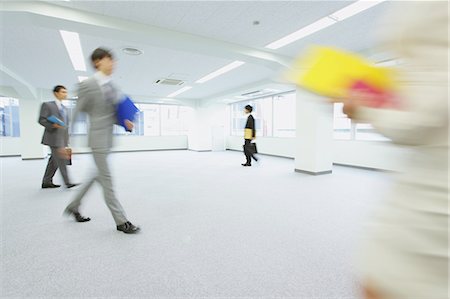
(98, 96)
(249, 135)
(56, 137)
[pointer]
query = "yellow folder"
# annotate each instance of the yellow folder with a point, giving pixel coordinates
(248, 134)
(332, 72)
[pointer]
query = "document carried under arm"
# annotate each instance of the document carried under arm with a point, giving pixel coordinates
(126, 110)
(54, 120)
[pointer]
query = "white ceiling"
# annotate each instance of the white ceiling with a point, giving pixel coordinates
(230, 21)
(181, 39)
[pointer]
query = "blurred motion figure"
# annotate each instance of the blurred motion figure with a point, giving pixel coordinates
(98, 97)
(406, 253)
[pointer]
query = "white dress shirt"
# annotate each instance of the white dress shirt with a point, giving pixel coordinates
(102, 79)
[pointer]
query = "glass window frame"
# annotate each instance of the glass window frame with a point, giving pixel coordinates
(267, 126)
(10, 112)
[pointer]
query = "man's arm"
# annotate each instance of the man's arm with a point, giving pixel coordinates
(43, 114)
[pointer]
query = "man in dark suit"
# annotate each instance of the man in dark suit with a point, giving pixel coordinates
(98, 97)
(56, 137)
(249, 135)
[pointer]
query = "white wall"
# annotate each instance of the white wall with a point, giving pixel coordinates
(135, 143)
(372, 154)
(10, 146)
(30, 130)
(206, 117)
(284, 147)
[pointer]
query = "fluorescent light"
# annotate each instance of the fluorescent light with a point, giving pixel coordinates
(220, 71)
(387, 63)
(179, 91)
(325, 22)
(82, 78)
(73, 47)
(305, 31)
(353, 9)
(271, 90)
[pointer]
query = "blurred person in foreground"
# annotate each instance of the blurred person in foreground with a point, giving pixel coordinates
(406, 253)
(98, 97)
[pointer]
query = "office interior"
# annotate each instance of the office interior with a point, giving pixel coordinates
(287, 227)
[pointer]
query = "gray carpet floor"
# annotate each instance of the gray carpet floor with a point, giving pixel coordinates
(210, 229)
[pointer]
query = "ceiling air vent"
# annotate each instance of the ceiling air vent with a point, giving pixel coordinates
(166, 81)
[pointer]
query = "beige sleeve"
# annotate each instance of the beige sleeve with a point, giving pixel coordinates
(422, 45)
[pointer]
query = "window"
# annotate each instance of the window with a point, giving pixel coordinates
(175, 120)
(341, 123)
(151, 120)
(79, 127)
(262, 112)
(345, 129)
(238, 118)
(148, 120)
(284, 115)
(274, 116)
(263, 116)
(9, 117)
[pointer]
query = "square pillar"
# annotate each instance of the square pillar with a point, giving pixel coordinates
(314, 139)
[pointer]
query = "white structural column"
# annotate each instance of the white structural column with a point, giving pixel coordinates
(314, 152)
(200, 131)
(30, 130)
(208, 128)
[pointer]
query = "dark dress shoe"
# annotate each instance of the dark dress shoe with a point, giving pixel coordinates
(77, 216)
(71, 185)
(128, 228)
(50, 185)
(245, 164)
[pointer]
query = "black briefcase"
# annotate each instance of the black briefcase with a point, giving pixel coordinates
(252, 148)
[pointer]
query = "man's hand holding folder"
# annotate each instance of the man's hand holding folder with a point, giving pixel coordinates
(129, 125)
(126, 113)
(57, 123)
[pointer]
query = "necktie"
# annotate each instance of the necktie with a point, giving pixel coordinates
(62, 111)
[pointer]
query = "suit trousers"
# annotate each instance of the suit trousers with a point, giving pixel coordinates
(105, 180)
(248, 154)
(55, 162)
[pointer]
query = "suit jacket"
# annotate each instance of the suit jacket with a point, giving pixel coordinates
(102, 113)
(53, 136)
(250, 132)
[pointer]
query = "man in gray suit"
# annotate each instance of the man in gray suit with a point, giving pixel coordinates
(56, 137)
(97, 96)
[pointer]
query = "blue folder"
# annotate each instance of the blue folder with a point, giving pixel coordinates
(126, 110)
(54, 120)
